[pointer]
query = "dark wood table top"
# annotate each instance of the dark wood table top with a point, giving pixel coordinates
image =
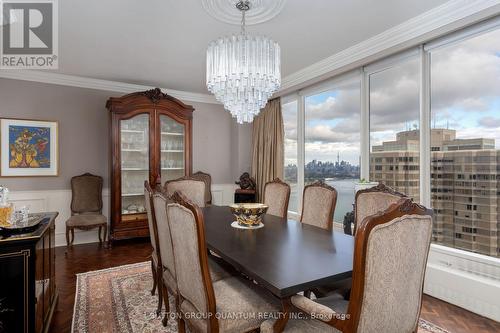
(286, 257)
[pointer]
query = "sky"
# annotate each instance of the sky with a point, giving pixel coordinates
(465, 95)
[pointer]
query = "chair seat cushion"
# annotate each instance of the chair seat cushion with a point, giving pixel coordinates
(240, 306)
(217, 272)
(340, 287)
(305, 325)
(335, 302)
(218, 269)
(86, 220)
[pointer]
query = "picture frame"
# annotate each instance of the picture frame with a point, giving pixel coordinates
(29, 148)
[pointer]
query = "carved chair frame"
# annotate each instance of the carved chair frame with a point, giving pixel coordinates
(380, 188)
(404, 206)
(331, 209)
(70, 230)
(278, 181)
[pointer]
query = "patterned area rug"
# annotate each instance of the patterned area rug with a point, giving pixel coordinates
(119, 300)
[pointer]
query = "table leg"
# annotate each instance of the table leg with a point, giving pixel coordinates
(279, 325)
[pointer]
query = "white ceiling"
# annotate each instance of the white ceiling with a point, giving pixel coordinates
(163, 42)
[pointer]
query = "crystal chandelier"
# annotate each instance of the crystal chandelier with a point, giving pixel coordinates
(243, 71)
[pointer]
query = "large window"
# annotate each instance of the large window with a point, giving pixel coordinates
(332, 142)
(448, 91)
(465, 143)
(394, 126)
(290, 110)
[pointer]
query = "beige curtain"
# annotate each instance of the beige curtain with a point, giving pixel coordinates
(268, 145)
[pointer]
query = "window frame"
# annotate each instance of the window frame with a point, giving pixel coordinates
(450, 272)
(351, 77)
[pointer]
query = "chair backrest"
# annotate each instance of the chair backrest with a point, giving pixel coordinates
(86, 194)
(208, 185)
(318, 205)
(194, 286)
(373, 200)
(153, 231)
(276, 196)
(390, 257)
(160, 203)
(193, 189)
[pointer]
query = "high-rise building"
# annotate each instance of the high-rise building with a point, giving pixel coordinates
(465, 185)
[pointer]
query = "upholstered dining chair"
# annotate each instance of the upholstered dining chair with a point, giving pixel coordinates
(168, 280)
(212, 302)
(208, 185)
(373, 200)
(366, 203)
(390, 257)
(86, 207)
(192, 188)
(276, 196)
(156, 266)
(318, 205)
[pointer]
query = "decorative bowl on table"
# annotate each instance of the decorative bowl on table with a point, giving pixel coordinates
(248, 214)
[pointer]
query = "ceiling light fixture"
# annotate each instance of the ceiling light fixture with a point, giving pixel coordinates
(243, 71)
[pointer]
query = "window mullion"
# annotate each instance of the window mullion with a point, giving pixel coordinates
(425, 130)
(365, 127)
(301, 149)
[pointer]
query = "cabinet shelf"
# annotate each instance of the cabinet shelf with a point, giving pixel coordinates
(171, 151)
(135, 150)
(172, 168)
(134, 169)
(172, 133)
(132, 194)
(131, 131)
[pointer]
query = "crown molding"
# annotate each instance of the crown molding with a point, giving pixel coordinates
(448, 17)
(89, 83)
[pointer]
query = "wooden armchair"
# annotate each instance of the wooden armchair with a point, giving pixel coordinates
(276, 196)
(390, 258)
(86, 207)
(208, 185)
(156, 266)
(190, 187)
(199, 298)
(373, 200)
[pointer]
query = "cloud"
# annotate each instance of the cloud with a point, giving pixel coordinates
(344, 103)
(489, 122)
(465, 82)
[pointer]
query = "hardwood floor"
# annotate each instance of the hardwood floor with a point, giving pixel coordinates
(90, 257)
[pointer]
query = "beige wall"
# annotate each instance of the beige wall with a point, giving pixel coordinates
(220, 146)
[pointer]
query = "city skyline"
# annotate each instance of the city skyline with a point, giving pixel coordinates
(470, 106)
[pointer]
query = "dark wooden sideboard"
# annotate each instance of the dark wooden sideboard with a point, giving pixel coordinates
(28, 293)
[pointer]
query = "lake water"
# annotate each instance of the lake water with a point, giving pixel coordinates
(345, 199)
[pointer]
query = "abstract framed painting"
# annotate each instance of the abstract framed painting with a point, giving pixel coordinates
(28, 148)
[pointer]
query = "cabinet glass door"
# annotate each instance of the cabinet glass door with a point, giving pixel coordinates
(172, 147)
(134, 133)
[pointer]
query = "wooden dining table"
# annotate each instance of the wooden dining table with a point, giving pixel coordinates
(285, 256)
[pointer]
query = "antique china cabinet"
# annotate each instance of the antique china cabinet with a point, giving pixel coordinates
(151, 139)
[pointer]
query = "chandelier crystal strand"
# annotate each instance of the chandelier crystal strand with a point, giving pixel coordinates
(243, 71)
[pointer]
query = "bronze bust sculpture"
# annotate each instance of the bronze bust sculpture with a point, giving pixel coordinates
(246, 182)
